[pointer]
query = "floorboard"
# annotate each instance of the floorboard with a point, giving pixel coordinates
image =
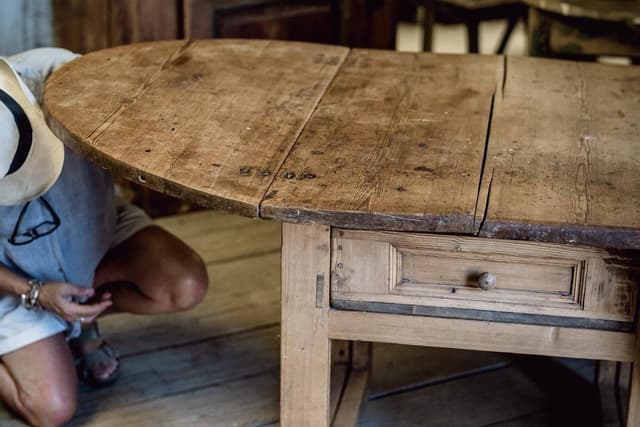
(467, 402)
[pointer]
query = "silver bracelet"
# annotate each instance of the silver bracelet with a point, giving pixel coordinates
(29, 300)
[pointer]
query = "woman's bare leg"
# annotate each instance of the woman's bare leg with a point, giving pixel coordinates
(152, 272)
(38, 382)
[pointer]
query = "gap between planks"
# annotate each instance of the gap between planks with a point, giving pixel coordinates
(300, 131)
(482, 193)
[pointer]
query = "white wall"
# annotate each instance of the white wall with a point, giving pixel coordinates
(25, 24)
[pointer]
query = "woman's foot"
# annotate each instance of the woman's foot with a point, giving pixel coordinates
(97, 363)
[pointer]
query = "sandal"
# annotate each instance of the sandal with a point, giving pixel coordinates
(86, 361)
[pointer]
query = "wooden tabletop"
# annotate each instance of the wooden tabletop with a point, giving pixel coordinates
(516, 148)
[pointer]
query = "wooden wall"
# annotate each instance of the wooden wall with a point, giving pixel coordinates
(84, 26)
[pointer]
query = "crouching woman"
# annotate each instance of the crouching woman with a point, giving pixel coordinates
(70, 251)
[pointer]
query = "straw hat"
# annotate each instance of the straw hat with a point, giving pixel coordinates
(31, 156)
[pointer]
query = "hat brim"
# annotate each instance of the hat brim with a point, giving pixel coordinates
(44, 162)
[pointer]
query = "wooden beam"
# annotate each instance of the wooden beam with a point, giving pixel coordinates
(305, 346)
(356, 387)
(485, 336)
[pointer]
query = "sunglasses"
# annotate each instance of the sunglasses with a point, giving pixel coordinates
(43, 229)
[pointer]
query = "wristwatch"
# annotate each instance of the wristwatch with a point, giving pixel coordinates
(29, 300)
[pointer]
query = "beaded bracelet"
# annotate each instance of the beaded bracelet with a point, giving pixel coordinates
(29, 300)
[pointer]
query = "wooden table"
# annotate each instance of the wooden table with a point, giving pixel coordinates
(478, 202)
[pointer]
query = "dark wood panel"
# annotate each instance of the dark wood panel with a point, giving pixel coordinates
(355, 23)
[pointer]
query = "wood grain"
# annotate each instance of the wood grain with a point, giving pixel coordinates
(480, 400)
(481, 335)
(208, 121)
(563, 154)
(179, 369)
(210, 406)
(396, 143)
(84, 27)
(438, 275)
(512, 148)
(305, 345)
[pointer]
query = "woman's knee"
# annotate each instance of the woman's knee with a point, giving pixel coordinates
(190, 285)
(48, 406)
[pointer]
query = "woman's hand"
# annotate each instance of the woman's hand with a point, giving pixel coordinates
(58, 298)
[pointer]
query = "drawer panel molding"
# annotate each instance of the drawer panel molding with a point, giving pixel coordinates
(437, 275)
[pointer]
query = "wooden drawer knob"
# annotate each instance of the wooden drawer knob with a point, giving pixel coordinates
(487, 281)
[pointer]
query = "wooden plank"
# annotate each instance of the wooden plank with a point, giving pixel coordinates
(182, 369)
(353, 398)
(534, 419)
(306, 348)
(339, 376)
(481, 335)
(563, 154)
(471, 314)
(138, 115)
(159, 20)
(480, 400)
(398, 367)
(81, 26)
(356, 388)
(211, 406)
(123, 22)
(396, 143)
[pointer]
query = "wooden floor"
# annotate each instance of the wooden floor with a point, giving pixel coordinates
(218, 365)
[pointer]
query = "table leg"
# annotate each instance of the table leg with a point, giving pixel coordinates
(427, 25)
(473, 42)
(305, 348)
(633, 419)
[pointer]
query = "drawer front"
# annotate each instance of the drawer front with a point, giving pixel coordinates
(467, 277)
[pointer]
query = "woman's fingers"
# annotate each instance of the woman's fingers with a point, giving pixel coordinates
(76, 311)
(77, 291)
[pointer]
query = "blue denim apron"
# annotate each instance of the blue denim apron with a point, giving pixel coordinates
(83, 198)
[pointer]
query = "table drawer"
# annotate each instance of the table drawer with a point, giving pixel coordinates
(478, 278)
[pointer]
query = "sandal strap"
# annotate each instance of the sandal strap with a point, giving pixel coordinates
(102, 353)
